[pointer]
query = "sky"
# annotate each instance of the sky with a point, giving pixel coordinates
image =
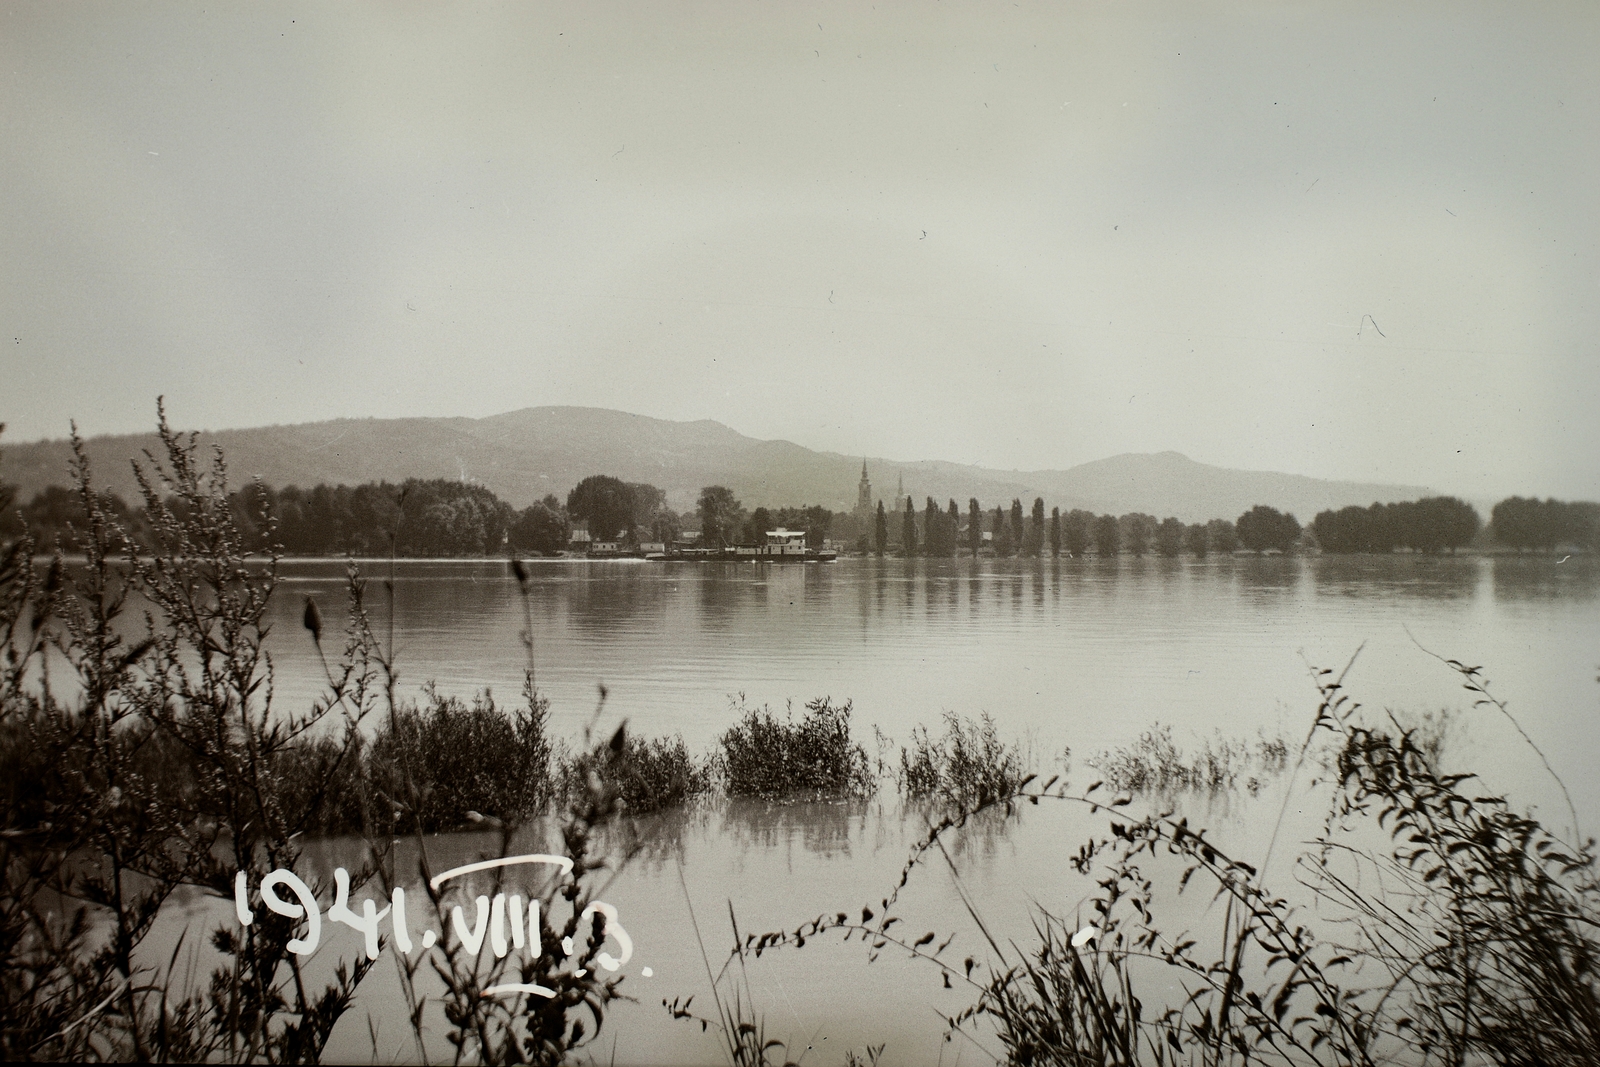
(1352, 240)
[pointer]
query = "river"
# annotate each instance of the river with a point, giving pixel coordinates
(1063, 654)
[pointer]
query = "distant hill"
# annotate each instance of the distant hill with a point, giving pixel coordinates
(523, 455)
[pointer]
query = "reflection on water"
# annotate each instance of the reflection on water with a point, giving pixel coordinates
(769, 866)
(1082, 652)
(1526, 579)
(1424, 577)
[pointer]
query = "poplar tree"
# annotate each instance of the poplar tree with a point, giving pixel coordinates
(908, 530)
(880, 529)
(952, 530)
(1033, 543)
(932, 535)
(974, 526)
(1002, 535)
(1055, 532)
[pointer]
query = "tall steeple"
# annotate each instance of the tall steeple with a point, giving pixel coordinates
(864, 492)
(900, 492)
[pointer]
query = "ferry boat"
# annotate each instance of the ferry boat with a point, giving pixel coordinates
(779, 546)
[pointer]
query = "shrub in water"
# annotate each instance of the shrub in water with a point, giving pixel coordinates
(967, 767)
(769, 757)
(465, 758)
(645, 775)
(1155, 764)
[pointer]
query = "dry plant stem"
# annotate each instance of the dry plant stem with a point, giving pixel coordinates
(1242, 938)
(1476, 683)
(741, 1028)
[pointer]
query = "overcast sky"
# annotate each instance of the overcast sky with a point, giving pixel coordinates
(1346, 240)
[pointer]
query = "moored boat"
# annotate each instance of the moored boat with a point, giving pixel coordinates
(779, 546)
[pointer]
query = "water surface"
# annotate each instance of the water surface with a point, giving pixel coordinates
(1072, 653)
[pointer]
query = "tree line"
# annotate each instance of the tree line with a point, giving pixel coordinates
(1430, 525)
(1006, 532)
(1544, 524)
(442, 518)
(1433, 524)
(430, 518)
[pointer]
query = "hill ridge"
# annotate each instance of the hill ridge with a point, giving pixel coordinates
(524, 454)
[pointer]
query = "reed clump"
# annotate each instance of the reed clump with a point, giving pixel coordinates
(764, 756)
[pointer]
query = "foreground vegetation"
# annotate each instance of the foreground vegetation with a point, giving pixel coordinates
(143, 758)
(1453, 929)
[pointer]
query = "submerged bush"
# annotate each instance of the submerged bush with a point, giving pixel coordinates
(769, 757)
(1154, 764)
(153, 767)
(465, 759)
(968, 766)
(644, 775)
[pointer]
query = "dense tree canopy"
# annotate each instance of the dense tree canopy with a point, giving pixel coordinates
(540, 528)
(1136, 528)
(1077, 531)
(432, 517)
(1107, 535)
(1527, 523)
(56, 517)
(1169, 537)
(1429, 525)
(1262, 528)
(603, 503)
(1224, 538)
(720, 514)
